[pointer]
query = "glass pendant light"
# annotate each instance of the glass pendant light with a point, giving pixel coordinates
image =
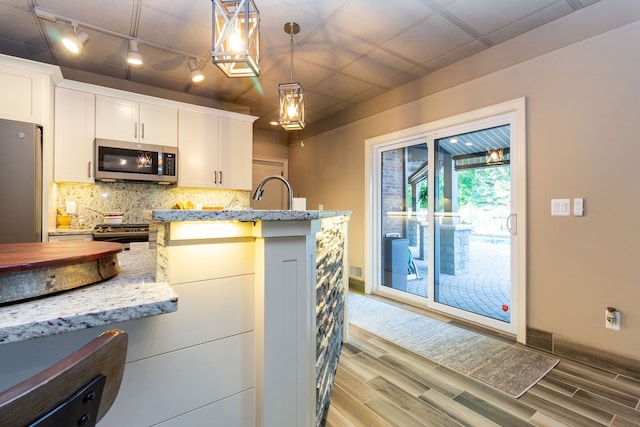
(291, 94)
(236, 37)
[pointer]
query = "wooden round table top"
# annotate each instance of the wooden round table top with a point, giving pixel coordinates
(16, 257)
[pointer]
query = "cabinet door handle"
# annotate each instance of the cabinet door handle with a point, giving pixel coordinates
(142, 130)
(220, 177)
(135, 129)
(89, 169)
(215, 177)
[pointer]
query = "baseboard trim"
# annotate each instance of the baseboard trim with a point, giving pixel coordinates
(356, 284)
(580, 352)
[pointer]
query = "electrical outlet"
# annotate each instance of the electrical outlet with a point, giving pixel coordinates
(71, 207)
(612, 320)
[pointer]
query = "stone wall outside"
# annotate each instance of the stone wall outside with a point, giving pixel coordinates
(454, 248)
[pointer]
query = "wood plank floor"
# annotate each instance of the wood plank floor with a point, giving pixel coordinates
(381, 384)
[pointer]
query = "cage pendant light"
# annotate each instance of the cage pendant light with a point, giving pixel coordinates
(291, 94)
(236, 37)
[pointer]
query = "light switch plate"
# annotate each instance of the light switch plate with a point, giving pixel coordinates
(71, 207)
(578, 207)
(560, 207)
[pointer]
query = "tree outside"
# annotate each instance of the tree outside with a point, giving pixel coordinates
(483, 198)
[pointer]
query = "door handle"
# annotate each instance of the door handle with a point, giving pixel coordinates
(221, 177)
(135, 130)
(142, 130)
(512, 224)
(89, 169)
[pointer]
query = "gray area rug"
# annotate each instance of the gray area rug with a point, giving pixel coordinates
(508, 368)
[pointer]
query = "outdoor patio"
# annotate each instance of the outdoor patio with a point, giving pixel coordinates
(483, 288)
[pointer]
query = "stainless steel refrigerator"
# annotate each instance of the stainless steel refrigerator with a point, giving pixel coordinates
(20, 182)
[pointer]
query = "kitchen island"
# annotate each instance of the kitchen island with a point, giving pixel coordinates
(256, 338)
(281, 275)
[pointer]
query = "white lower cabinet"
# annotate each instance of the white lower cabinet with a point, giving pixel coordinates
(195, 364)
(172, 384)
(234, 411)
(207, 311)
(213, 261)
(192, 359)
(71, 238)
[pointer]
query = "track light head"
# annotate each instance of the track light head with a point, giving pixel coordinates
(196, 74)
(74, 40)
(133, 56)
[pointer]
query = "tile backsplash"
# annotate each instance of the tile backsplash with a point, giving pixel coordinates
(132, 198)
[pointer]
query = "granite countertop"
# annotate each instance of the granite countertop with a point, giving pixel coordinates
(132, 294)
(172, 215)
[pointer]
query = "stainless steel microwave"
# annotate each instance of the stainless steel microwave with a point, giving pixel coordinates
(130, 161)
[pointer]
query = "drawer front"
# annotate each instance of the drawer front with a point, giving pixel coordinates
(162, 387)
(71, 238)
(211, 261)
(236, 411)
(207, 311)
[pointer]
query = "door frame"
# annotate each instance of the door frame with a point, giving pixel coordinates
(274, 160)
(284, 163)
(373, 146)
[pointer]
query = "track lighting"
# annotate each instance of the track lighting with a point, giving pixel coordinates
(196, 74)
(73, 39)
(133, 57)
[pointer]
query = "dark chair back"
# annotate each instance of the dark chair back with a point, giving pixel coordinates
(76, 391)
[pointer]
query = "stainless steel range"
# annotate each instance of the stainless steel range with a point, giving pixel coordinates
(122, 233)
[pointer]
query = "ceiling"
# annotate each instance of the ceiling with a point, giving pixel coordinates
(348, 51)
(469, 150)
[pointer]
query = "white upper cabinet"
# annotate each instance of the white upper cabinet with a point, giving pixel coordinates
(235, 153)
(215, 151)
(73, 136)
(21, 95)
(117, 119)
(158, 125)
(126, 120)
(198, 150)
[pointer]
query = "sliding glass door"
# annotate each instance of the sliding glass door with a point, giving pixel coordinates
(404, 218)
(446, 232)
(472, 208)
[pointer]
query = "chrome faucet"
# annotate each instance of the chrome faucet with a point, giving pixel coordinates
(259, 190)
